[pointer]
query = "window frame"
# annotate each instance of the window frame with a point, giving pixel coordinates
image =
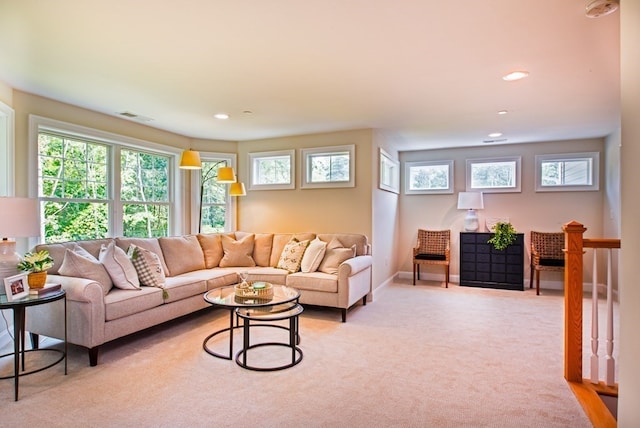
(256, 157)
(7, 148)
(407, 177)
(388, 172)
(516, 188)
(115, 142)
(595, 172)
(230, 213)
(305, 156)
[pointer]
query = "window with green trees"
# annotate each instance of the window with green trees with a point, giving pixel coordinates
(81, 199)
(214, 198)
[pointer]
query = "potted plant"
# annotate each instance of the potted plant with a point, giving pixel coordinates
(36, 264)
(503, 235)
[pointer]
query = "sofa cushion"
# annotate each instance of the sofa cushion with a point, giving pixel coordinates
(313, 281)
(291, 255)
(237, 253)
(147, 265)
(212, 248)
(150, 244)
(119, 267)
(79, 263)
(348, 240)
(57, 250)
(313, 255)
(121, 303)
(186, 285)
(334, 255)
(182, 254)
(261, 247)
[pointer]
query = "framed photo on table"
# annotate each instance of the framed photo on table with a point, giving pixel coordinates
(16, 287)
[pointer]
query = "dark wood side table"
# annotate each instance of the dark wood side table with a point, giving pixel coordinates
(19, 309)
(481, 265)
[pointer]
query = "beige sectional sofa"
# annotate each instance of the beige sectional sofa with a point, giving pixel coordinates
(98, 312)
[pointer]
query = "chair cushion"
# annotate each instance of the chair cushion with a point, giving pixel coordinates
(425, 256)
(552, 262)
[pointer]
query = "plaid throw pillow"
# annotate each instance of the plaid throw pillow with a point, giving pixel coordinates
(148, 266)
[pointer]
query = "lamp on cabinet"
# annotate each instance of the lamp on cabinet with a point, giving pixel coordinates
(470, 201)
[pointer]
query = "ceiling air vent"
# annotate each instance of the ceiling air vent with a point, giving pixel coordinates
(134, 116)
(499, 140)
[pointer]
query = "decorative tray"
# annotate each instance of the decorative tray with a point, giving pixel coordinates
(253, 290)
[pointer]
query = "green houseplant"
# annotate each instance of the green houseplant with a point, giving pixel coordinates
(36, 264)
(503, 235)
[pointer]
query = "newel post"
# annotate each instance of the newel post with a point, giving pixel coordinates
(573, 234)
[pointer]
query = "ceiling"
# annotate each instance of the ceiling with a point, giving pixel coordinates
(429, 73)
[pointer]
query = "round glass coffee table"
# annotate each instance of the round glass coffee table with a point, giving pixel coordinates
(225, 297)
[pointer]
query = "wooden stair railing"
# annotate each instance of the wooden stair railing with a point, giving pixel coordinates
(585, 390)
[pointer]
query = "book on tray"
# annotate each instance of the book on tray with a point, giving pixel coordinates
(48, 288)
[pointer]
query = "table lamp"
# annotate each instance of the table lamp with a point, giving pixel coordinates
(18, 219)
(470, 201)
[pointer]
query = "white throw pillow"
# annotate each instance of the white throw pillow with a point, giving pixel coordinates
(291, 255)
(119, 267)
(313, 256)
(148, 266)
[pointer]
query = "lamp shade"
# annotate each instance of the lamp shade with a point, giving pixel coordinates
(237, 189)
(226, 174)
(470, 201)
(19, 217)
(190, 160)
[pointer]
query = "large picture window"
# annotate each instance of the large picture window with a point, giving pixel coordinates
(93, 184)
(214, 202)
(567, 172)
(328, 167)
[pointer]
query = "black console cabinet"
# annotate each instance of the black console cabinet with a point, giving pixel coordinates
(481, 265)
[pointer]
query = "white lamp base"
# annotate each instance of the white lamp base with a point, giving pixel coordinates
(9, 260)
(471, 223)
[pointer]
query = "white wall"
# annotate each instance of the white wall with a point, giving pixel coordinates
(629, 385)
(527, 210)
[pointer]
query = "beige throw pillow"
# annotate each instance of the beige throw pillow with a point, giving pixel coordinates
(79, 263)
(334, 255)
(313, 256)
(237, 253)
(119, 267)
(148, 266)
(212, 249)
(291, 255)
(181, 254)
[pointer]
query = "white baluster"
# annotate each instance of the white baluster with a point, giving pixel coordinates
(594, 321)
(611, 362)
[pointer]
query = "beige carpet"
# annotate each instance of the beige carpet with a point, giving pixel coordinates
(419, 356)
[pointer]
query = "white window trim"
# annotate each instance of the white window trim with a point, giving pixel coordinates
(230, 214)
(515, 189)
(388, 173)
(304, 155)
(407, 178)
(595, 172)
(253, 157)
(7, 147)
(38, 123)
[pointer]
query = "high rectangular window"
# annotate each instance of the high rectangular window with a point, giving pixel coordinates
(493, 175)
(567, 172)
(272, 170)
(428, 177)
(328, 167)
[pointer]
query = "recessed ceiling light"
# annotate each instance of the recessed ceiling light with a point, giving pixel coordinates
(495, 134)
(502, 112)
(221, 116)
(515, 75)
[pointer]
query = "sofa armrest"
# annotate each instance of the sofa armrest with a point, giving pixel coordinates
(354, 265)
(79, 289)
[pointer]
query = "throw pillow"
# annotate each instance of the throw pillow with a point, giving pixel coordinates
(237, 253)
(291, 255)
(119, 267)
(212, 249)
(313, 256)
(79, 263)
(148, 266)
(181, 254)
(334, 255)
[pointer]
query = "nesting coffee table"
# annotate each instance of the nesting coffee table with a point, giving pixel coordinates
(282, 306)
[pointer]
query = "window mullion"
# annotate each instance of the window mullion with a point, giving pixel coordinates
(115, 186)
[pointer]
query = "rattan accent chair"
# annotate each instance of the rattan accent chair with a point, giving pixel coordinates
(546, 254)
(432, 249)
